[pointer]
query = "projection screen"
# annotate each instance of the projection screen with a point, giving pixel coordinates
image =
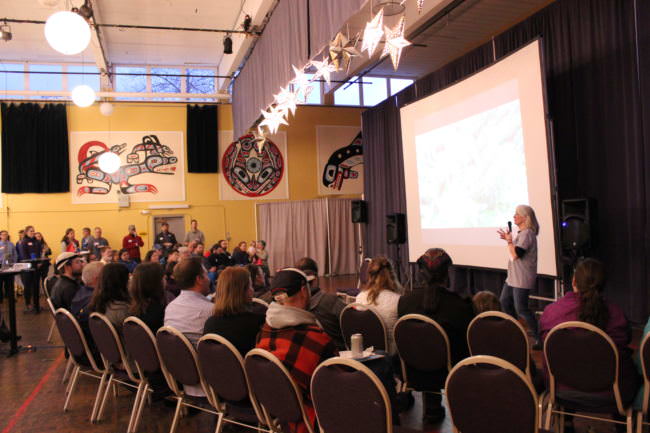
(472, 153)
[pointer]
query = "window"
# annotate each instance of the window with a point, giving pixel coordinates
(11, 81)
(203, 83)
(82, 74)
(348, 94)
(375, 90)
(315, 96)
(399, 84)
(165, 83)
(130, 83)
(39, 79)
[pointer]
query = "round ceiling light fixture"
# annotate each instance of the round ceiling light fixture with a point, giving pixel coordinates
(67, 32)
(83, 95)
(109, 162)
(391, 7)
(106, 108)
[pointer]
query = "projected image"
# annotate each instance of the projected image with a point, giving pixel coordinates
(472, 173)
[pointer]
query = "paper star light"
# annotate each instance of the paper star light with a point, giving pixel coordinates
(286, 100)
(420, 5)
(373, 33)
(341, 51)
(273, 118)
(301, 83)
(324, 69)
(395, 42)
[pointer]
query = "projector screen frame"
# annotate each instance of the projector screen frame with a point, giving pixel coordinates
(550, 151)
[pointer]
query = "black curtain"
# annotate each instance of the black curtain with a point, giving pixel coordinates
(34, 148)
(202, 139)
(595, 63)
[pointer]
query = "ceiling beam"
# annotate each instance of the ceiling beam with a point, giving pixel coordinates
(99, 53)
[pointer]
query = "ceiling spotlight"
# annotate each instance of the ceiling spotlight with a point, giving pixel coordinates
(246, 25)
(83, 95)
(227, 44)
(5, 32)
(67, 32)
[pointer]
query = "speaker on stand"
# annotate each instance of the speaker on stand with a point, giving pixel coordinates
(396, 235)
(578, 231)
(359, 212)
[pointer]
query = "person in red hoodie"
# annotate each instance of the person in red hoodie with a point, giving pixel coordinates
(132, 243)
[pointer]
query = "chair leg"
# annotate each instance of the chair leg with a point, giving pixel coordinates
(560, 420)
(629, 421)
(73, 382)
(639, 422)
(172, 429)
(98, 397)
(134, 410)
(219, 423)
(49, 336)
(138, 416)
(68, 368)
(100, 412)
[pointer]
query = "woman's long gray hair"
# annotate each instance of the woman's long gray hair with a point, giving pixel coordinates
(528, 213)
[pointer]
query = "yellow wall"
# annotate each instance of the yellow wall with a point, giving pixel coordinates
(51, 214)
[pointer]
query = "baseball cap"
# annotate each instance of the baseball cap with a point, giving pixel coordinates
(64, 258)
(290, 281)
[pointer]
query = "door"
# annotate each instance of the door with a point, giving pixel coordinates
(176, 225)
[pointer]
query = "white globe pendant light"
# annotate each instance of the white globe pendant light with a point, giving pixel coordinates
(106, 108)
(83, 95)
(109, 162)
(67, 32)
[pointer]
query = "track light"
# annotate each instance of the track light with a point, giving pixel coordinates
(246, 25)
(227, 44)
(5, 32)
(85, 10)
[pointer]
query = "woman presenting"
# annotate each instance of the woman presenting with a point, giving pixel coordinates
(522, 268)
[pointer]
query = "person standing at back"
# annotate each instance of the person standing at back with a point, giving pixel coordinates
(96, 243)
(29, 248)
(8, 256)
(194, 234)
(85, 239)
(132, 243)
(69, 244)
(166, 239)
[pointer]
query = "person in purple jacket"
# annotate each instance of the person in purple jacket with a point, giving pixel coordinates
(587, 304)
(30, 248)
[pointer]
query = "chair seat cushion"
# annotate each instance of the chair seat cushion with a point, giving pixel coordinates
(587, 402)
(243, 412)
(400, 429)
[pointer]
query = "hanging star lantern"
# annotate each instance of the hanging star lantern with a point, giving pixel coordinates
(301, 84)
(273, 118)
(341, 51)
(373, 33)
(324, 69)
(286, 100)
(395, 42)
(420, 5)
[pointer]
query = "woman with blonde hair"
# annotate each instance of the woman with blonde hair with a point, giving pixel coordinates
(233, 317)
(382, 293)
(522, 268)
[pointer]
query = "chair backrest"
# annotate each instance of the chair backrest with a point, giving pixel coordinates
(74, 339)
(490, 395)
(363, 272)
(259, 306)
(644, 355)
(178, 357)
(274, 388)
(583, 357)
(48, 285)
(222, 367)
(363, 319)
(349, 398)
(422, 344)
(497, 334)
(109, 344)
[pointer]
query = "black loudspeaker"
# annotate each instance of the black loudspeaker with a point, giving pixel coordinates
(396, 228)
(579, 222)
(359, 211)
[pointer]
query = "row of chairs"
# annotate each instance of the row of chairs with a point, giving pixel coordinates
(578, 355)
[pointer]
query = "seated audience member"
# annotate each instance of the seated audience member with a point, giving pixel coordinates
(147, 295)
(184, 253)
(81, 299)
(260, 290)
(382, 293)
(191, 246)
(171, 288)
(173, 257)
(106, 255)
(240, 255)
(293, 335)
(125, 259)
(199, 249)
(432, 299)
(152, 256)
(233, 317)
(191, 309)
(111, 296)
(69, 266)
(326, 306)
(587, 304)
(485, 301)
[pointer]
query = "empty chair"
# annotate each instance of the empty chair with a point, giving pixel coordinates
(223, 370)
(363, 319)
(583, 358)
(116, 364)
(490, 395)
(178, 357)
(644, 355)
(82, 358)
(349, 398)
(273, 387)
(497, 334)
(140, 344)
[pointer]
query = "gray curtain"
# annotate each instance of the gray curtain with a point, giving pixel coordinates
(293, 230)
(327, 18)
(344, 245)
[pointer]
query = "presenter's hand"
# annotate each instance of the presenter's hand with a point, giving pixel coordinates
(506, 236)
